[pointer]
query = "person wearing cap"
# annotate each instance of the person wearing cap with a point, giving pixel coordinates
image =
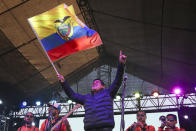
(141, 125)
(98, 105)
(28, 119)
(54, 110)
(170, 124)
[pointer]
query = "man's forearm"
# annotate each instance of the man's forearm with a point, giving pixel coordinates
(118, 80)
(71, 94)
(67, 89)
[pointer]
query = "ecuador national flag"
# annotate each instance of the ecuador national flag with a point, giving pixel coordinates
(61, 33)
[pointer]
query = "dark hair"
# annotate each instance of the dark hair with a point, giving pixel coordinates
(174, 116)
(31, 113)
(102, 83)
(142, 111)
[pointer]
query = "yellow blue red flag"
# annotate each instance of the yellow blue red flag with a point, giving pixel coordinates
(61, 33)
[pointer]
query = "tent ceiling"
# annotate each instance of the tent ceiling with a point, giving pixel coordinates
(24, 65)
(160, 46)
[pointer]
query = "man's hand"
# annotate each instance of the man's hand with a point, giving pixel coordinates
(140, 124)
(163, 124)
(133, 126)
(122, 58)
(136, 124)
(61, 78)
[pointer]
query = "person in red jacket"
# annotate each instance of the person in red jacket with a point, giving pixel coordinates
(53, 118)
(140, 125)
(170, 124)
(28, 123)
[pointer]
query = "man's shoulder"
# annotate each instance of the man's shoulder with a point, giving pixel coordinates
(20, 128)
(151, 127)
(24, 128)
(181, 129)
(34, 127)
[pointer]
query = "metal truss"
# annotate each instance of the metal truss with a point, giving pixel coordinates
(131, 105)
(150, 103)
(104, 71)
(87, 14)
(3, 123)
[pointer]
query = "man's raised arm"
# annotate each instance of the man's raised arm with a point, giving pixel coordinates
(119, 75)
(70, 93)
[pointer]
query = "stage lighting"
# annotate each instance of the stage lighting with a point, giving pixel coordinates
(69, 101)
(177, 91)
(38, 103)
(118, 97)
(186, 117)
(1, 102)
(24, 103)
(33, 123)
(137, 95)
(14, 124)
(155, 94)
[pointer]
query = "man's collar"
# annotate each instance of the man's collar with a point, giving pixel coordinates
(94, 92)
(172, 127)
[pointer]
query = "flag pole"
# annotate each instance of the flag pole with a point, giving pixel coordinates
(44, 49)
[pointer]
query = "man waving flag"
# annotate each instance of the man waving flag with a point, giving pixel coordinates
(61, 33)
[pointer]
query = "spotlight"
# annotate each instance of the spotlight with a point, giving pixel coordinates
(118, 97)
(69, 101)
(38, 103)
(14, 124)
(186, 117)
(177, 91)
(1, 102)
(155, 94)
(33, 123)
(2, 121)
(137, 95)
(24, 103)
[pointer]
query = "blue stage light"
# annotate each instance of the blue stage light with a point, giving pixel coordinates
(24, 103)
